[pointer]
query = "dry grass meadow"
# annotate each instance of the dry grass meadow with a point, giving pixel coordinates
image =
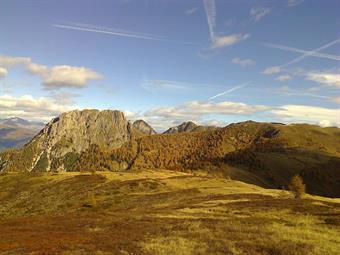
(160, 212)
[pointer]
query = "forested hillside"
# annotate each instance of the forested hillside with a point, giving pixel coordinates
(260, 153)
(264, 154)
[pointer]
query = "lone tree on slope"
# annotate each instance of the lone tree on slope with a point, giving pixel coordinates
(297, 187)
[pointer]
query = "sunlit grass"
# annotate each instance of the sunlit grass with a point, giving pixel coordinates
(161, 212)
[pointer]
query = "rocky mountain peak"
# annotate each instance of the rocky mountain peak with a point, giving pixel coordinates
(79, 129)
(143, 127)
(184, 127)
(67, 136)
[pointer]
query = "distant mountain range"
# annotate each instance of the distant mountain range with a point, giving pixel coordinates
(15, 132)
(19, 122)
(265, 154)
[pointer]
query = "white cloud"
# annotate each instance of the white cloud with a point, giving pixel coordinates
(287, 91)
(63, 97)
(8, 61)
(272, 70)
(130, 114)
(257, 13)
(243, 62)
(216, 40)
(154, 85)
(227, 40)
(284, 89)
(191, 11)
(200, 112)
(198, 109)
(3, 72)
(285, 77)
(53, 77)
(229, 22)
(308, 114)
(330, 78)
(65, 76)
(313, 89)
(31, 108)
(213, 123)
(164, 117)
(325, 123)
(292, 3)
(335, 99)
(36, 68)
(219, 41)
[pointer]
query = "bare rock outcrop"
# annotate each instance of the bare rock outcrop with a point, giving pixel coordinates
(67, 136)
(184, 127)
(143, 127)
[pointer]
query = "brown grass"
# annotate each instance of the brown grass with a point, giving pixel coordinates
(160, 213)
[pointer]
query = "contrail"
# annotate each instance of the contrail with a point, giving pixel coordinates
(94, 30)
(314, 52)
(308, 94)
(176, 85)
(311, 53)
(76, 24)
(210, 10)
(230, 90)
(117, 32)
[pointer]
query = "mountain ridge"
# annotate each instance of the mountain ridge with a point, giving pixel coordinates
(20, 122)
(188, 126)
(264, 154)
(15, 132)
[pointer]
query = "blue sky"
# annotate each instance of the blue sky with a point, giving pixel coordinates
(167, 61)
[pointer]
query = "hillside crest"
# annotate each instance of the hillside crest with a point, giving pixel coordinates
(264, 154)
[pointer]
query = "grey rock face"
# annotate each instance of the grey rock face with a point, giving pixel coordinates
(143, 127)
(73, 132)
(78, 129)
(184, 127)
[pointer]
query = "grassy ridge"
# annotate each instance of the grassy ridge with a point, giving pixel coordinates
(160, 212)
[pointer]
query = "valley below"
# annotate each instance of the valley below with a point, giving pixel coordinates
(159, 212)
